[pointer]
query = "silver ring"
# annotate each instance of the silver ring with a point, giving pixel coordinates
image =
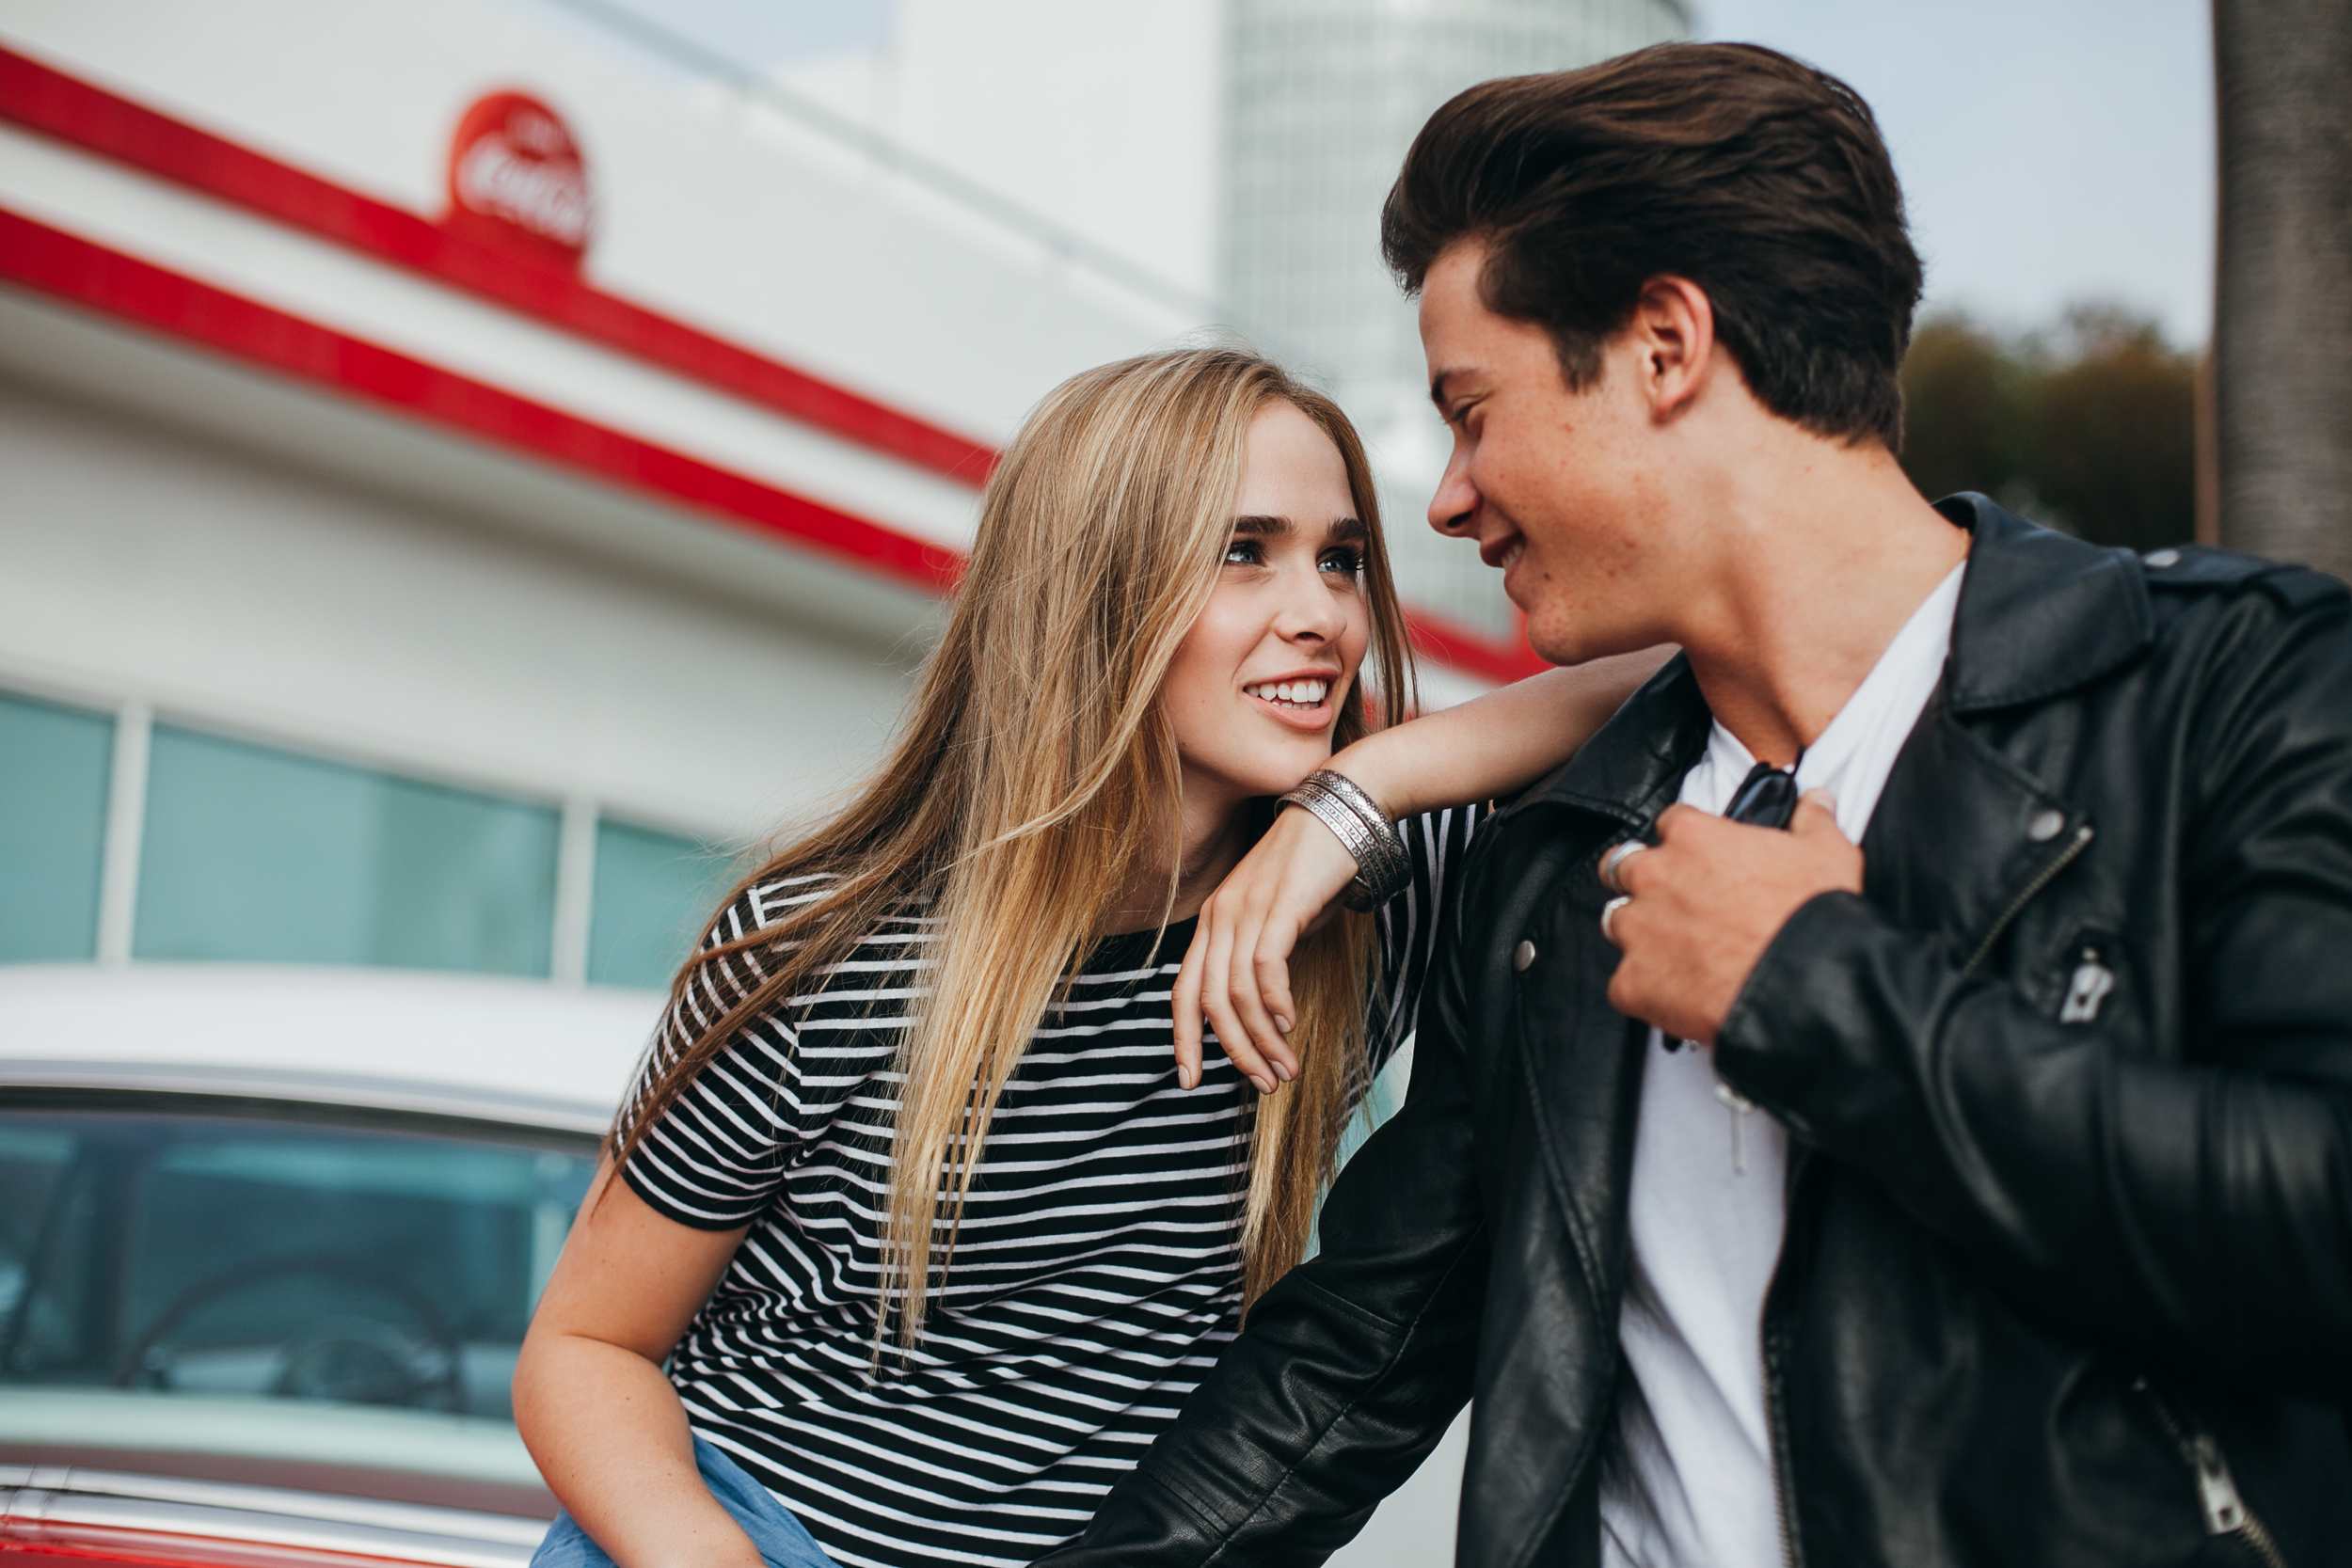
(1613, 863)
(1608, 914)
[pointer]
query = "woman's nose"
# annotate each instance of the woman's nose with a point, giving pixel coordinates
(1314, 615)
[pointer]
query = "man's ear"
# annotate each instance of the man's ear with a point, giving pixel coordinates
(1673, 332)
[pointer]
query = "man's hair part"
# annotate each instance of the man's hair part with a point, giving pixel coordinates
(1755, 176)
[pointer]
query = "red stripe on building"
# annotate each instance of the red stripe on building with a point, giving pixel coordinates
(72, 269)
(49, 102)
(89, 117)
(1472, 653)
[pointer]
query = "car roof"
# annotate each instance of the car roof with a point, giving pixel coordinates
(477, 1046)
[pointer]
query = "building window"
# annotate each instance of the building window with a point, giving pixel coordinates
(53, 766)
(654, 893)
(257, 855)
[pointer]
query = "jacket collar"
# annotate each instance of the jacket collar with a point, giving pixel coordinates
(2040, 614)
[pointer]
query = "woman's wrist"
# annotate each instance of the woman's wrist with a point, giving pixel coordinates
(1372, 765)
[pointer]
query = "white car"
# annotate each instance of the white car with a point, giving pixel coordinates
(269, 1239)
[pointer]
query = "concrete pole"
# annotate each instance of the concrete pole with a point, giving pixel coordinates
(2282, 309)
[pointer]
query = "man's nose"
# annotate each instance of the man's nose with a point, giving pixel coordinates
(1453, 510)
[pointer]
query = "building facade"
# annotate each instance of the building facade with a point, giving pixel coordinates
(1321, 100)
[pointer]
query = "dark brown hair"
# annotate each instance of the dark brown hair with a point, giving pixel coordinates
(1752, 175)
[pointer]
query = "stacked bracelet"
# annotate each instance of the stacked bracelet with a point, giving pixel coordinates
(1382, 866)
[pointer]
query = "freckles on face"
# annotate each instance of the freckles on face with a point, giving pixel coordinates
(1258, 682)
(1546, 480)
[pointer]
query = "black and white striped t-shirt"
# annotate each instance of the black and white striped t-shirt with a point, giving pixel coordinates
(1096, 1276)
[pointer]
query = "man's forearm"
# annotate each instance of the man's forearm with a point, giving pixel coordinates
(2193, 1209)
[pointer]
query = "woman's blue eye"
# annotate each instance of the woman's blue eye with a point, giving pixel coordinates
(1347, 562)
(1242, 552)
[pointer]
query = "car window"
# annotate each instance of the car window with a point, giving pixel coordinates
(250, 1265)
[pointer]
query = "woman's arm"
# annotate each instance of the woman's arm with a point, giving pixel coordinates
(590, 1396)
(1499, 743)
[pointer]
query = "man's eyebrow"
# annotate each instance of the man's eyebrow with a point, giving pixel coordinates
(1261, 528)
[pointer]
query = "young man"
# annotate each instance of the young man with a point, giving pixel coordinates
(1978, 1195)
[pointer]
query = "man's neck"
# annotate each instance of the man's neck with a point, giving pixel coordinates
(1823, 556)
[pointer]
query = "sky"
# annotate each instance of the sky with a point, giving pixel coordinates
(2053, 152)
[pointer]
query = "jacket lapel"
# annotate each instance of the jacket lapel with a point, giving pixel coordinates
(1578, 1058)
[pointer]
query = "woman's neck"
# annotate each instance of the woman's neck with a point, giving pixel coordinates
(1215, 839)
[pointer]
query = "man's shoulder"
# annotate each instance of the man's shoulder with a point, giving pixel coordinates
(2186, 572)
(2216, 610)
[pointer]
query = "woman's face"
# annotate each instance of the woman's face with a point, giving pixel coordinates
(1257, 683)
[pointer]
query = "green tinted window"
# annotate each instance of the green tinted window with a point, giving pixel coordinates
(653, 893)
(53, 829)
(256, 855)
(236, 1264)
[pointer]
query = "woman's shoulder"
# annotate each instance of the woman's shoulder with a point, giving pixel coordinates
(894, 933)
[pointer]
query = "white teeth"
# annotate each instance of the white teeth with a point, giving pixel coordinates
(1296, 693)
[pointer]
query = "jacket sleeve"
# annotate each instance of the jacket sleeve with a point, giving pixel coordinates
(2196, 1210)
(1348, 1370)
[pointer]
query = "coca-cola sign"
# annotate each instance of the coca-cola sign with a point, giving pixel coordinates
(516, 178)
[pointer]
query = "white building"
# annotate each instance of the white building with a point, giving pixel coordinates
(459, 485)
(384, 584)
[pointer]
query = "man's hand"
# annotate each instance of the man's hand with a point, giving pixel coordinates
(1237, 970)
(1705, 903)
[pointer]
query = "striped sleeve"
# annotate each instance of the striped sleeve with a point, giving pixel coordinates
(1408, 922)
(714, 1158)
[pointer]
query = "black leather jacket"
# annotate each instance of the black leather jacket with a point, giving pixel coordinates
(2055, 1290)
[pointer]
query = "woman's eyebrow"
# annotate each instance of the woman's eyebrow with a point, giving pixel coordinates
(1351, 530)
(1261, 528)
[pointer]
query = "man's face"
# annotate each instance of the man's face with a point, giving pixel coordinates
(1553, 484)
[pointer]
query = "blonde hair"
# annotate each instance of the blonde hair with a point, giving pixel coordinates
(1030, 777)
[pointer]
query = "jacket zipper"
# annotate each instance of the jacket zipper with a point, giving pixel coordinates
(2217, 1496)
(1772, 1445)
(2085, 989)
(2075, 846)
(1775, 1435)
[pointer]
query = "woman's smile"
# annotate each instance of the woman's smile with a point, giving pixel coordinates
(1302, 701)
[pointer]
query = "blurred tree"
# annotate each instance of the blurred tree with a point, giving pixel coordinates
(2091, 429)
(1961, 409)
(2111, 433)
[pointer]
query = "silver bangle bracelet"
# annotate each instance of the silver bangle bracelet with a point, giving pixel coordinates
(1383, 866)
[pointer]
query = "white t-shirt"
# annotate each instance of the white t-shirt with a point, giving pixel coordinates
(1690, 1484)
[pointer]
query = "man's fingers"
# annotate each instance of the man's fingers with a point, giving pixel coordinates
(1816, 812)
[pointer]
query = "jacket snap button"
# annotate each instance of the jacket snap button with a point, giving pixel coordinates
(1524, 954)
(2045, 826)
(2164, 558)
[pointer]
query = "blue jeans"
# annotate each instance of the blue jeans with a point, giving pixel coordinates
(782, 1539)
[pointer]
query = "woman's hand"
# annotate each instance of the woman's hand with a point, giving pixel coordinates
(1237, 970)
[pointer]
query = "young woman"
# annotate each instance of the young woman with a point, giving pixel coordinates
(913, 1203)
